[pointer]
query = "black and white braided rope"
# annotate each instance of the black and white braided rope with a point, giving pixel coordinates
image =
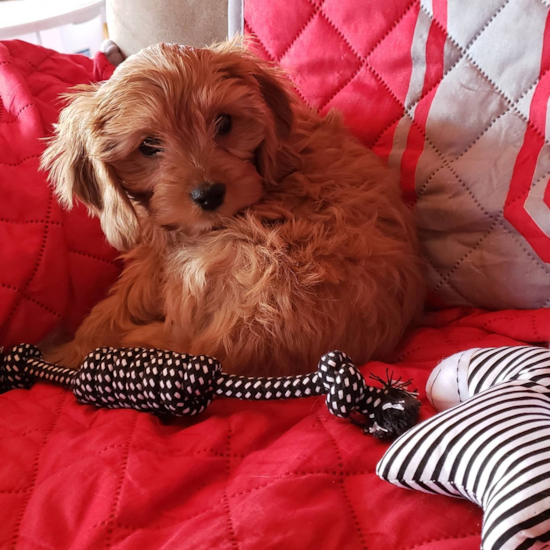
(165, 382)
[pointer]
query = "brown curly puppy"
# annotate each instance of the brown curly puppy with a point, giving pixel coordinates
(255, 230)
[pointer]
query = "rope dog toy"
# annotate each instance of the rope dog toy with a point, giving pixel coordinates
(166, 382)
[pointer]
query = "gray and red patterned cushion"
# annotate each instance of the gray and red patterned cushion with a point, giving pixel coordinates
(454, 95)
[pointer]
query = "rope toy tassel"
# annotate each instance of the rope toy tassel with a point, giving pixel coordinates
(391, 410)
(166, 382)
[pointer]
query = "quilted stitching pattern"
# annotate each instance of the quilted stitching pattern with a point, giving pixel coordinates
(455, 100)
(56, 264)
(243, 475)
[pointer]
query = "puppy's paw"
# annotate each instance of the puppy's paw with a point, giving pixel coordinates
(68, 355)
(112, 52)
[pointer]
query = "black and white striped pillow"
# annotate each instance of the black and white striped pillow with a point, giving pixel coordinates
(493, 448)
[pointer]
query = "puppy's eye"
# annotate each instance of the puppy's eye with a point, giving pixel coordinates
(224, 123)
(150, 147)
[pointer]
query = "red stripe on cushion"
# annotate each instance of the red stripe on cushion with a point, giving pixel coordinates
(395, 55)
(435, 63)
(526, 161)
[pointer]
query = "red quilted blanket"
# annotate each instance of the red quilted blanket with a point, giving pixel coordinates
(54, 265)
(243, 475)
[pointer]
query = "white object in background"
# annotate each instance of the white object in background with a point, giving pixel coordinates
(51, 23)
(447, 385)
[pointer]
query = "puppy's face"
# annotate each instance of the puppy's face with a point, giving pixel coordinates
(186, 138)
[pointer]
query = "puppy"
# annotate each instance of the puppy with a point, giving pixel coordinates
(254, 230)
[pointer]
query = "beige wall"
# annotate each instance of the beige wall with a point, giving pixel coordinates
(134, 24)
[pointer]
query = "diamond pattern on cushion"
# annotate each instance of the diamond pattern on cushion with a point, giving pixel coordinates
(487, 252)
(350, 18)
(447, 96)
(447, 204)
(465, 24)
(323, 74)
(492, 160)
(387, 57)
(461, 88)
(279, 37)
(522, 25)
(372, 102)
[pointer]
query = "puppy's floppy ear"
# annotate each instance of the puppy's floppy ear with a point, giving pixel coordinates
(274, 158)
(73, 159)
(276, 95)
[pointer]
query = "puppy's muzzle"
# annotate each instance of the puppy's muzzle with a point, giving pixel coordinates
(209, 196)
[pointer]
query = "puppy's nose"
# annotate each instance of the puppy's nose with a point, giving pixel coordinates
(209, 196)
